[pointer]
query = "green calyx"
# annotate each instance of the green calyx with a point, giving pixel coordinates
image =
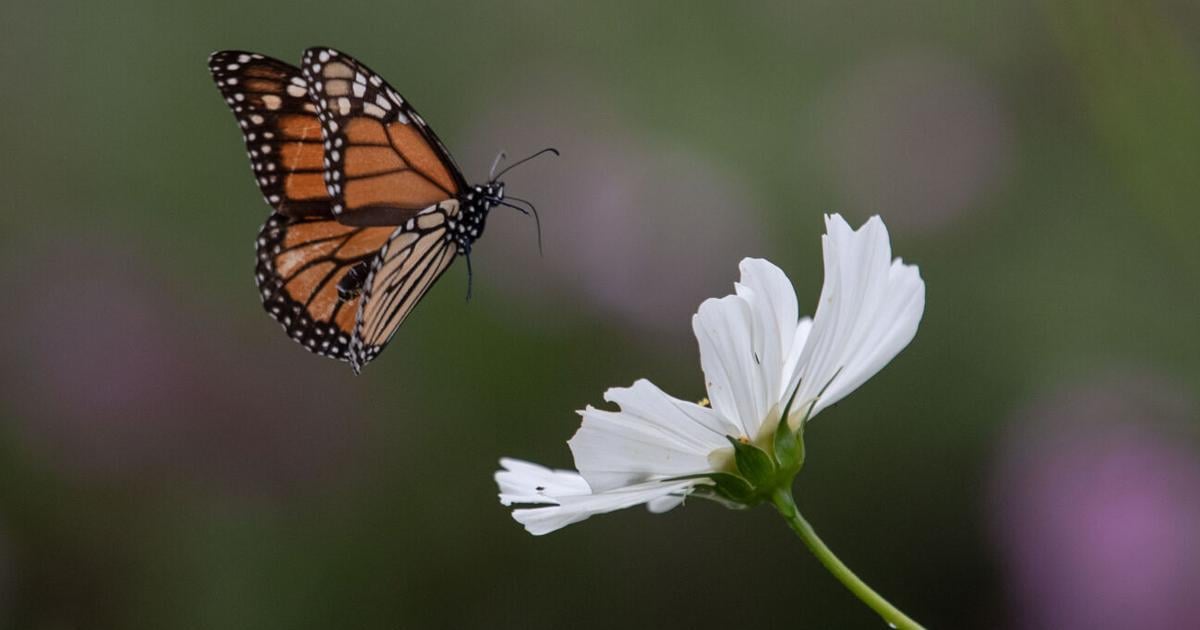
(760, 472)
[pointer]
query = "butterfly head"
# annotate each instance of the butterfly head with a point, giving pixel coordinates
(482, 198)
(493, 192)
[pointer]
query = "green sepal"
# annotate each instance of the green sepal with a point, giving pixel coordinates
(788, 445)
(725, 487)
(733, 488)
(712, 493)
(754, 465)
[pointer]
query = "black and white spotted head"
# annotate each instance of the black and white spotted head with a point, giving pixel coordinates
(475, 204)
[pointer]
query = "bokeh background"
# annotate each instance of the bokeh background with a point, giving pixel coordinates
(169, 459)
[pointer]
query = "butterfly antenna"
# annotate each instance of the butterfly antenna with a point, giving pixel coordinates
(537, 219)
(500, 157)
(520, 162)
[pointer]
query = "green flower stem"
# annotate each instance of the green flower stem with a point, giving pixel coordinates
(782, 499)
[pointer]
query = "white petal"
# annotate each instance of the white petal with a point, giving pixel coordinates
(772, 302)
(543, 520)
(523, 482)
(799, 339)
(749, 346)
(666, 504)
(773, 299)
(869, 310)
(653, 436)
(733, 372)
(891, 329)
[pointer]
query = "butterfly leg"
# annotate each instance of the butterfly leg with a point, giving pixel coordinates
(467, 255)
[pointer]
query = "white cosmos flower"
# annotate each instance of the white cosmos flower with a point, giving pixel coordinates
(756, 352)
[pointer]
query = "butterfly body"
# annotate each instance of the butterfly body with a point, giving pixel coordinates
(475, 206)
(369, 207)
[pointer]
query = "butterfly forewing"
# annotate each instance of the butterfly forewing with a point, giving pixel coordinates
(383, 163)
(310, 274)
(279, 123)
(414, 257)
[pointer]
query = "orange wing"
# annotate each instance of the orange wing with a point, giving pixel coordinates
(383, 164)
(415, 256)
(279, 123)
(310, 276)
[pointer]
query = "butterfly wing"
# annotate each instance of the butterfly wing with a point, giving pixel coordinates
(414, 257)
(270, 101)
(338, 153)
(383, 163)
(310, 275)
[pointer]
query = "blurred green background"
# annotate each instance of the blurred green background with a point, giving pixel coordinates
(169, 459)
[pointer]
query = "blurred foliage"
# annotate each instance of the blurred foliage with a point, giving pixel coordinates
(224, 504)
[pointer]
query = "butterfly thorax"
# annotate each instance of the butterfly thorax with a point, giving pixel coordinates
(474, 207)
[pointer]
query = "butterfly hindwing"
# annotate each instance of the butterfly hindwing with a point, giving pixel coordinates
(279, 123)
(383, 164)
(310, 276)
(414, 257)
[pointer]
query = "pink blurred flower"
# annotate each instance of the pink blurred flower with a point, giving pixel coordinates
(1096, 508)
(121, 375)
(633, 231)
(919, 135)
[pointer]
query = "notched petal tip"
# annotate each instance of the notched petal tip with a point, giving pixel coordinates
(870, 307)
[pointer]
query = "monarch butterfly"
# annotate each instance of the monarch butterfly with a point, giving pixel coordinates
(369, 207)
